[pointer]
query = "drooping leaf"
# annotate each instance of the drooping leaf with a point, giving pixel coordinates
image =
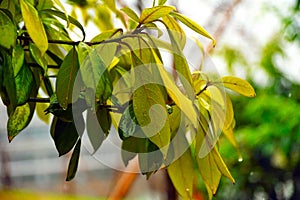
(37, 56)
(94, 130)
(61, 6)
(65, 134)
(149, 106)
(95, 76)
(62, 15)
(154, 13)
(181, 170)
(34, 25)
(17, 59)
(66, 78)
(180, 100)
(8, 30)
(193, 25)
(209, 171)
(131, 13)
(73, 164)
(18, 120)
(229, 118)
(221, 165)
(238, 85)
(104, 119)
(104, 19)
(8, 93)
(24, 82)
(40, 111)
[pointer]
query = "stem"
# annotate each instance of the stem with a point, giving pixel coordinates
(49, 66)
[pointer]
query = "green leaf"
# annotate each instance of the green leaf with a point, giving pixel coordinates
(149, 107)
(83, 51)
(106, 35)
(181, 66)
(94, 130)
(34, 25)
(95, 76)
(176, 30)
(62, 15)
(161, 2)
(65, 134)
(154, 13)
(37, 56)
(65, 79)
(193, 25)
(18, 120)
(128, 11)
(8, 30)
(24, 82)
(238, 85)
(17, 59)
(73, 164)
(8, 93)
(57, 2)
(181, 171)
(103, 18)
(180, 100)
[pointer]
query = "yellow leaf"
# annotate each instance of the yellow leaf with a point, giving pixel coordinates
(40, 111)
(221, 165)
(34, 26)
(193, 25)
(151, 14)
(185, 104)
(239, 85)
(229, 117)
(130, 14)
(177, 31)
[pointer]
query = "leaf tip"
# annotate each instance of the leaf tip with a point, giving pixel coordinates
(10, 138)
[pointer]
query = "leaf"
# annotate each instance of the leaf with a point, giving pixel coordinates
(34, 26)
(17, 59)
(182, 67)
(57, 2)
(8, 93)
(221, 165)
(64, 134)
(238, 85)
(161, 2)
(149, 107)
(104, 119)
(73, 164)
(24, 83)
(229, 117)
(95, 76)
(65, 79)
(106, 35)
(63, 16)
(154, 13)
(180, 100)
(103, 18)
(18, 120)
(181, 171)
(83, 51)
(209, 171)
(37, 56)
(176, 30)
(8, 30)
(128, 11)
(94, 130)
(193, 25)
(40, 111)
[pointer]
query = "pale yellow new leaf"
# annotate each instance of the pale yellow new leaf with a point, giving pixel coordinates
(238, 85)
(131, 13)
(34, 26)
(154, 13)
(193, 25)
(221, 165)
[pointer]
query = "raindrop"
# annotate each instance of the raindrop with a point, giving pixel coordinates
(240, 159)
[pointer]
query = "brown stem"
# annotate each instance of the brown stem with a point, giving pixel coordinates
(125, 181)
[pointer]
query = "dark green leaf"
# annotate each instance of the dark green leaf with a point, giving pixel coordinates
(24, 82)
(18, 120)
(73, 164)
(94, 130)
(104, 118)
(65, 134)
(8, 30)
(66, 78)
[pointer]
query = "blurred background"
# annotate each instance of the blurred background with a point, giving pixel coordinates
(257, 40)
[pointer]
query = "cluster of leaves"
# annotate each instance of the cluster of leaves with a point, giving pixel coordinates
(118, 78)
